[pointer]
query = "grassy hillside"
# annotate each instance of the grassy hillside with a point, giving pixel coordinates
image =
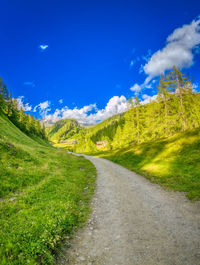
(63, 129)
(173, 162)
(44, 194)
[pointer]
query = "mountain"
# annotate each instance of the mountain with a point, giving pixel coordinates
(175, 109)
(63, 129)
(141, 123)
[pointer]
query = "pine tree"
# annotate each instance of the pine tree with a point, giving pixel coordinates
(181, 86)
(117, 141)
(3, 96)
(137, 107)
(14, 115)
(164, 102)
(22, 120)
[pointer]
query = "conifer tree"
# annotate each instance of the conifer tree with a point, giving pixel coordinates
(181, 86)
(3, 95)
(164, 102)
(22, 120)
(117, 141)
(137, 117)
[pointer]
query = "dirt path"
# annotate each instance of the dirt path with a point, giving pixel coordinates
(136, 222)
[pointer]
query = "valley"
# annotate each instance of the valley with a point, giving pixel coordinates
(48, 179)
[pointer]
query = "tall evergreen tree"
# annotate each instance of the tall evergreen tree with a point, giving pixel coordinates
(137, 106)
(164, 101)
(3, 96)
(181, 86)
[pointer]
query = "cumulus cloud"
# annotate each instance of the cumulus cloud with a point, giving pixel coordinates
(147, 99)
(43, 107)
(136, 88)
(43, 47)
(179, 51)
(114, 106)
(21, 104)
(60, 101)
(87, 115)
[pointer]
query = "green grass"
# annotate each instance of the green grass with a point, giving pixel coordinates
(174, 162)
(44, 195)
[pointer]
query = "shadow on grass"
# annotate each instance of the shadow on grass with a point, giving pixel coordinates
(173, 162)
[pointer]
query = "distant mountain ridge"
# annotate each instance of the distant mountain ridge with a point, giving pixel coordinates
(69, 130)
(63, 129)
(176, 109)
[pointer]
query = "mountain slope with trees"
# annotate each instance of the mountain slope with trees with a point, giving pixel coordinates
(160, 140)
(63, 129)
(176, 109)
(26, 123)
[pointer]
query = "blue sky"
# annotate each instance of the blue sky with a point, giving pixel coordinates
(84, 59)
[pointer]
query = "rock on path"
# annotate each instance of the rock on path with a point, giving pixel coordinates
(135, 222)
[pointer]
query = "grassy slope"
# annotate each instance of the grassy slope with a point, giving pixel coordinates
(173, 162)
(43, 195)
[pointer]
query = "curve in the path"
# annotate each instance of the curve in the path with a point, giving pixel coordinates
(135, 222)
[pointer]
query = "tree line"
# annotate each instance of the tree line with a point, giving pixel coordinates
(176, 109)
(25, 122)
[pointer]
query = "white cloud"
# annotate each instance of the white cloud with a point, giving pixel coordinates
(147, 99)
(60, 101)
(43, 47)
(26, 106)
(136, 88)
(195, 87)
(43, 107)
(83, 115)
(179, 51)
(114, 106)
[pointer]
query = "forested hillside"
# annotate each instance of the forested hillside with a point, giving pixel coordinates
(66, 131)
(176, 109)
(9, 106)
(159, 140)
(62, 130)
(104, 132)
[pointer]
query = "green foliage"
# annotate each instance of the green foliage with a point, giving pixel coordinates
(26, 123)
(43, 196)
(104, 131)
(172, 162)
(63, 129)
(176, 109)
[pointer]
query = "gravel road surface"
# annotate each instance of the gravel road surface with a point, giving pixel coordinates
(135, 222)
